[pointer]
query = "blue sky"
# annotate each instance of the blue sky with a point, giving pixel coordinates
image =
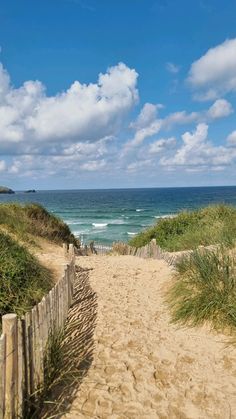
(128, 93)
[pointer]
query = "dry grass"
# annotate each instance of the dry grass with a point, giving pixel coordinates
(120, 248)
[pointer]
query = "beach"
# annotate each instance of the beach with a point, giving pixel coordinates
(142, 365)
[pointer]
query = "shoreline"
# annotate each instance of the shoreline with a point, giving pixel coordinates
(111, 215)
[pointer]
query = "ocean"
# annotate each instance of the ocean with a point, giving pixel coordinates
(106, 216)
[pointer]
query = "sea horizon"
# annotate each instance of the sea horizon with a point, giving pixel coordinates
(110, 215)
(123, 188)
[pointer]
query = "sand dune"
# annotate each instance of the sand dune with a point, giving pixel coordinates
(144, 366)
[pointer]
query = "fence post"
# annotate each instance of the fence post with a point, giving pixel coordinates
(9, 328)
(3, 372)
(71, 251)
(21, 370)
(65, 249)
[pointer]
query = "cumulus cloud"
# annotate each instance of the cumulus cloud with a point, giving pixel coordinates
(162, 144)
(93, 165)
(220, 109)
(148, 122)
(32, 122)
(139, 165)
(231, 139)
(84, 149)
(197, 152)
(38, 166)
(179, 118)
(147, 115)
(143, 133)
(214, 74)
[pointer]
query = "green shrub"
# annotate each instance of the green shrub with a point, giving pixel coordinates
(205, 289)
(23, 281)
(190, 229)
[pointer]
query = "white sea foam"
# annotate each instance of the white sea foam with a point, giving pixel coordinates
(79, 233)
(139, 209)
(117, 222)
(131, 234)
(75, 222)
(100, 225)
(165, 216)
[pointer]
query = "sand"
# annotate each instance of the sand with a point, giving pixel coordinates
(50, 255)
(144, 366)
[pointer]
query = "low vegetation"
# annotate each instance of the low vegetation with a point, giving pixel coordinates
(120, 248)
(23, 281)
(34, 220)
(189, 229)
(205, 289)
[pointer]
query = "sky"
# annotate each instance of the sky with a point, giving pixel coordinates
(114, 94)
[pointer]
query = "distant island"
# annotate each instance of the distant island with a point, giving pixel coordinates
(31, 191)
(4, 189)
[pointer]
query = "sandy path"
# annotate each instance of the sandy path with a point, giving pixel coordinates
(51, 255)
(145, 367)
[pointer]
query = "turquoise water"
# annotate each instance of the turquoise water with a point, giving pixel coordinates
(113, 215)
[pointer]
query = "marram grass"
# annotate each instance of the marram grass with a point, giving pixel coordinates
(189, 229)
(34, 220)
(23, 280)
(205, 289)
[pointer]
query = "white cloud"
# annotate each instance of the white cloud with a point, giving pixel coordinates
(214, 74)
(33, 123)
(84, 149)
(231, 139)
(147, 115)
(139, 165)
(3, 166)
(149, 124)
(93, 165)
(179, 118)
(162, 144)
(198, 152)
(220, 109)
(172, 68)
(143, 133)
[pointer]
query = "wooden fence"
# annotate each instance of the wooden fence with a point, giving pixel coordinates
(94, 248)
(24, 340)
(152, 250)
(102, 249)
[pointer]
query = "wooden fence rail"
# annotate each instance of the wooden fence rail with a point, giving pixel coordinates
(24, 341)
(102, 249)
(94, 248)
(152, 250)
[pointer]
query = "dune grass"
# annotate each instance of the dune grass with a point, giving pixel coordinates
(189, 229)
(205, 289)
(35, 220)
(23, 280)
